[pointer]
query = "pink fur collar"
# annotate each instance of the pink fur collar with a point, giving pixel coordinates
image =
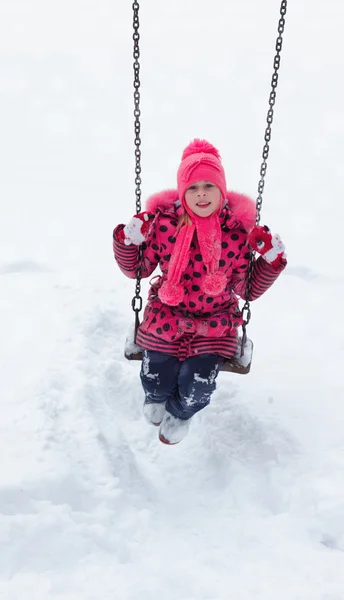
(243, 207)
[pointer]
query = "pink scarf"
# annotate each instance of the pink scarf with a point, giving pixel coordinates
(209, 236)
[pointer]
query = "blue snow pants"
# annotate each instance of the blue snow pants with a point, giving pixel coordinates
(186, 387)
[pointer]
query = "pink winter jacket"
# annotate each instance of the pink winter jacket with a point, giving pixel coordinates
(201, 323)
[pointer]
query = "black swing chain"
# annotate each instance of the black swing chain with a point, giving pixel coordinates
(265, 155)
(137, 111)
(137, 299)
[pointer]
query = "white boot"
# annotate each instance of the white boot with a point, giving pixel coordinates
(154, 412)
(173, 430)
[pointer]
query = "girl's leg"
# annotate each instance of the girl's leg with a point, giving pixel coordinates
(196, 384)
(159, 376)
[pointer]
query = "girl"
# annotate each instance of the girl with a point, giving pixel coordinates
(201, 237)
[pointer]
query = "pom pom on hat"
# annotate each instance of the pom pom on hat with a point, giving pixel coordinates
(197, 146)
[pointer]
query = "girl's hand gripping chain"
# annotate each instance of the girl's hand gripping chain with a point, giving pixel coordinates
(136, 231)
(269, 246)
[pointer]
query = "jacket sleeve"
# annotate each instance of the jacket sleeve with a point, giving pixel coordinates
(263, 275)
(127, 257)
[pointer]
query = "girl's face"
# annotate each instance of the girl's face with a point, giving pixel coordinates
(203, 198)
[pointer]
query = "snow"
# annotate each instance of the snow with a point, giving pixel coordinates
(145, 369)
(244, 354)
(200, 379)
(129, 345)
(92, 505)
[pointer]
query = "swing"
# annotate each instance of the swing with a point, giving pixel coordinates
(241, 362)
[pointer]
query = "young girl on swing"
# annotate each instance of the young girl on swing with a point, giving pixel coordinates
(201, 236)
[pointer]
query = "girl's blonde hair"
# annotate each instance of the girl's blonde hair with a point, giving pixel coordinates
(184, 219)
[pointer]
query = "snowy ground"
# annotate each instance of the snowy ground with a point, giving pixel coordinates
(92, 506)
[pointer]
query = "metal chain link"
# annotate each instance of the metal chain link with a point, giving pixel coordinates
(265, 154)
(136, 302)
(137, 111)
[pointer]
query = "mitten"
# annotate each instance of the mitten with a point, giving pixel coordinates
(136, 231)
(269, 246)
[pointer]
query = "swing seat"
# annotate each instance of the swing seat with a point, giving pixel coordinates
(237, 364)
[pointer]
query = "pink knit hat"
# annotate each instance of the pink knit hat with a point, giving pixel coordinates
(200, 161)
